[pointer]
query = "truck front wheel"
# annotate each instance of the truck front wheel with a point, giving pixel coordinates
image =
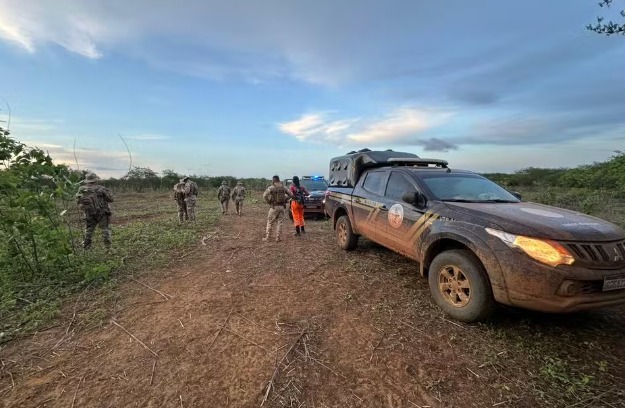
(345, 235)
(460, 286)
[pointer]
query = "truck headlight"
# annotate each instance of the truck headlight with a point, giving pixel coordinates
(543, 250)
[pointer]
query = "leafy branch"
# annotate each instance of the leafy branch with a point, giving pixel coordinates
(610, 27)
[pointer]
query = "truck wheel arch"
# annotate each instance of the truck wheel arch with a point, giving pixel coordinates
(434, 245)
(338, 212)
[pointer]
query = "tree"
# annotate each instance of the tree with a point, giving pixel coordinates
(169, 178)
(610, 27)
(143, 177)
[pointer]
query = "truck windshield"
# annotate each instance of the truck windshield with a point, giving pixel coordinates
(314, 185)
(467, 188)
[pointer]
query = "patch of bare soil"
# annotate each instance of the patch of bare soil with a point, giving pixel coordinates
(242, 323)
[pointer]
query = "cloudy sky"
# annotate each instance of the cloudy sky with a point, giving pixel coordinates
(253, 88)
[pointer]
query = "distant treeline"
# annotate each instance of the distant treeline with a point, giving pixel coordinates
(140, 179)
(608, 175)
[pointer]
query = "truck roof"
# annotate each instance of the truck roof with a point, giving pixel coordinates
(346, 170)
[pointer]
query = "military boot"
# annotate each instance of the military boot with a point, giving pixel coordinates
(302, 229)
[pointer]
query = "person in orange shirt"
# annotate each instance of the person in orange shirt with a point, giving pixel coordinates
(297, 205)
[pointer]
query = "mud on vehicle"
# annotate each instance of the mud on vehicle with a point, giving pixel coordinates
(477, 243)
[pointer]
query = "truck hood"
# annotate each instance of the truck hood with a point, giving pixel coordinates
(541, 221)
(317, 193)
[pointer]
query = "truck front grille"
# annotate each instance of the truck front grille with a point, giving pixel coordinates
(598, 255)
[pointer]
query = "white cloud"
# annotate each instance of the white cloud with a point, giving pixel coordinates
(397, 126)
(405, 125)
(13, 34)
(66, 23)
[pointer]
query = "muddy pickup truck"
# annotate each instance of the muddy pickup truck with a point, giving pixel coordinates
(477, 243)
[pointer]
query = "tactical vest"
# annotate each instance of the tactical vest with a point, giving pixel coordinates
(278, 195)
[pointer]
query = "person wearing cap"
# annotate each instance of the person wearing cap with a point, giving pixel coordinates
(191, 192)
(93, 199)
(183, 215)
(238, 195)
(223, 194)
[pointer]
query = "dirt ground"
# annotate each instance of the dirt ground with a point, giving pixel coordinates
(235, 322)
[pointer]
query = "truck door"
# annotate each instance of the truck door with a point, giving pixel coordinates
(401, 222)
(366, 204)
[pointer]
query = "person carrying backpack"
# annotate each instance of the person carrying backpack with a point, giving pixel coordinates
(223, 194)
(93, 199)
(191, 192)
(297, 205)
(183, 215)
(238, 196)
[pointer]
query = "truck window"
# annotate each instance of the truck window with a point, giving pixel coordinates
(374, 182)
(397, 185)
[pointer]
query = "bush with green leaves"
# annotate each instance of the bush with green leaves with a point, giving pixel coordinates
(37, 245)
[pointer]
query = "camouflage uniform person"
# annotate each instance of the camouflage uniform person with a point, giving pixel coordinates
(223, 194)
(277, 197)
(190, 196)
(238, 195)
(93, 199)
(182, 205)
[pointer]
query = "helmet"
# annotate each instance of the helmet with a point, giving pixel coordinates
(240, 183)
(185, 178)
(91, 177)
(223, 183)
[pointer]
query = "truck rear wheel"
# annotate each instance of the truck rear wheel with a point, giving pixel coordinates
(345, 235)
(460, 286)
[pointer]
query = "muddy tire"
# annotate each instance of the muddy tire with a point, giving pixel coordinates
(345, 236)
(460, 286)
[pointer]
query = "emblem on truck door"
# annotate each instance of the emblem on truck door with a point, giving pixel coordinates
(396, 215)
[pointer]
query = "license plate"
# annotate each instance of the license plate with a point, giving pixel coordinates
(614, 282)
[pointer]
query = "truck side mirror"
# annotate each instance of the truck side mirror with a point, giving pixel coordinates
(516, 194)
(415, 198)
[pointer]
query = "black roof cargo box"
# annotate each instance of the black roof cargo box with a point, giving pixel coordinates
(345, 170)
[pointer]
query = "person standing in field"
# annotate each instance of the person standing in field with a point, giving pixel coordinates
(93, 199)
(238, 196)
(277, 196)
(223, 194)
(297, 205)
(183, 215)
(191, 192)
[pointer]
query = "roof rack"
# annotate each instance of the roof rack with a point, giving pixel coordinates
(418, 162)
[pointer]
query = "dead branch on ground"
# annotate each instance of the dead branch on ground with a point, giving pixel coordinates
(165, 295)
(134, 337)
(220, 330)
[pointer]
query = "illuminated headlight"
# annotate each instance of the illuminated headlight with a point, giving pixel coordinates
(542, 250)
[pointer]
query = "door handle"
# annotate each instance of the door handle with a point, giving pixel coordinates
(383, 208)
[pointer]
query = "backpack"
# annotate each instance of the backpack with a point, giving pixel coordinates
(179, 192)
(90, 202)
